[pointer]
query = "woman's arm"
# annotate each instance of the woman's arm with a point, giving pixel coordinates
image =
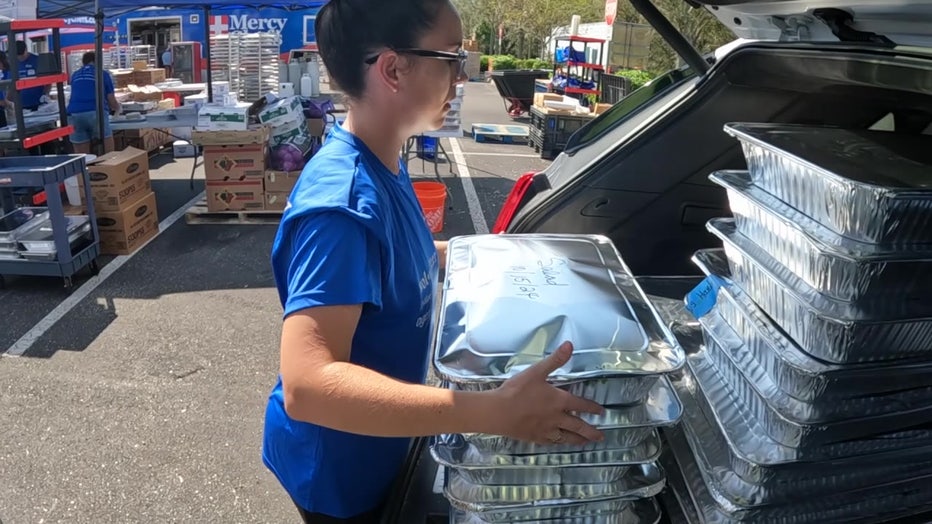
(321, 386)
(115, 106)
(441, 246)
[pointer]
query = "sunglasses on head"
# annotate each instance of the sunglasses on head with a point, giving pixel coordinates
(459, 57)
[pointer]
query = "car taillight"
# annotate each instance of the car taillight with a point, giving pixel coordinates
(513, 202)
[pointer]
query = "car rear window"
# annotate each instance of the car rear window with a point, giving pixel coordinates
(627, 107)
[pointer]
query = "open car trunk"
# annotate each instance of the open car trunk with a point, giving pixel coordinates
(643, 181)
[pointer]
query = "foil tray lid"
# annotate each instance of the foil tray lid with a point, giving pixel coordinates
(511, 300)
(894, 161)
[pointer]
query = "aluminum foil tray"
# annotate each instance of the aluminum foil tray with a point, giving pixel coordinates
(871, 186)
(618, 511)
(749, 440)
(832, 264)
(791, 421)
(878, 503)
(801, 376)
(21, 221)
(587, 467)
(562, 288)
(41, 240)
(643, 481)
(800, 480)
(833, 331)
(623, 426)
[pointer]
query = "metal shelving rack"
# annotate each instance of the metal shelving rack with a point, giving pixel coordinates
(250, 62)
(583, 70)
(24, 141)
(50, 172)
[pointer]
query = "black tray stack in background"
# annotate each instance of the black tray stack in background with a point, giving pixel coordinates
(810, 398)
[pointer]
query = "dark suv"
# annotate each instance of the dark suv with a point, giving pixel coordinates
(639, 172)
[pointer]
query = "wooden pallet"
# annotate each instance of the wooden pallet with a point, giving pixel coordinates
(198, 214)
(509, 134)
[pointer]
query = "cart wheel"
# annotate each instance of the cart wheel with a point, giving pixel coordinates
(94, 267)
(69, 284)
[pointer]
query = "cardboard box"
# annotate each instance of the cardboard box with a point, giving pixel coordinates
(315, 126)
(276, 200)
(234, 162)
(282, 112)
(140, 65)
(288, 131)
(540, 98)
(238, 195)
(119, 179)
(280, 181)
(166, 103)
(145, 93)
(124, 231)
(213, 117)
(257, 135)
(148, 77)
(122, 79)
(598, 109)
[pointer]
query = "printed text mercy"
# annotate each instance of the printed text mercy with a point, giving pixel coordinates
(243, 23)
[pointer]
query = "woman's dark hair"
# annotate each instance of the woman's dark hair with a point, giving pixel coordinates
(4, 62)
(88, 57)
(350, 31)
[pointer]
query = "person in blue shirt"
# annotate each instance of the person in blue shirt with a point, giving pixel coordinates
(356, 270)
(33, 97)
(4, 74)
(82, 107)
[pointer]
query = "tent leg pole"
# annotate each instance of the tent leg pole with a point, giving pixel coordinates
(210, 76)
(99, 77)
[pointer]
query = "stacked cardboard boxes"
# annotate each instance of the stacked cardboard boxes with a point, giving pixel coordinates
(254, 154)
(123, 201)
(234, 168)
(278, 186)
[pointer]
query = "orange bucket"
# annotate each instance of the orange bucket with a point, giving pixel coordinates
(433, 199)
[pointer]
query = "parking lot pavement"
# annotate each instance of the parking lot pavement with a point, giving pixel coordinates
(141, 398)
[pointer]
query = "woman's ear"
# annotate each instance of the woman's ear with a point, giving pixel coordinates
(388, 69)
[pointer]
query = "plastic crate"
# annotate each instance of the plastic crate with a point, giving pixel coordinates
(551, 131)
(614, 88)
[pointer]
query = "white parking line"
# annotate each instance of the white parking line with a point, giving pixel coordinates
(511, 155)
(472, 199)
(41, 328)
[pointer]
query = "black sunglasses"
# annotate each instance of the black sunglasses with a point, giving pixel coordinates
(458, 57)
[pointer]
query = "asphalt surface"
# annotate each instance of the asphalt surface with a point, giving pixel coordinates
(143, 401)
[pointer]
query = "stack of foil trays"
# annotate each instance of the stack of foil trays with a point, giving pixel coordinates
(15, 225)
(810, 399)
(510, 300)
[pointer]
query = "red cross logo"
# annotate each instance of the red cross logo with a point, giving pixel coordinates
(219, 25)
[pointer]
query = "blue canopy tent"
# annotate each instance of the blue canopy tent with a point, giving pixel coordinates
(101, 8)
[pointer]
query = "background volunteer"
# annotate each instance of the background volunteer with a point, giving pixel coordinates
(167, 61)
(33, 97)
(82, 107)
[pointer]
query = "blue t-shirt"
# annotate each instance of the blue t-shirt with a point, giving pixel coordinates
(352, 233)
(27, 69)
(84, 89)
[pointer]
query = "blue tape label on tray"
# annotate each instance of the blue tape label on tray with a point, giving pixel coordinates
(701, 299)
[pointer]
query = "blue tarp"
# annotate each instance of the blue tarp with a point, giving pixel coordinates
(69, 8)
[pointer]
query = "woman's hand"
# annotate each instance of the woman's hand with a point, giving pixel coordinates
(530, 409)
